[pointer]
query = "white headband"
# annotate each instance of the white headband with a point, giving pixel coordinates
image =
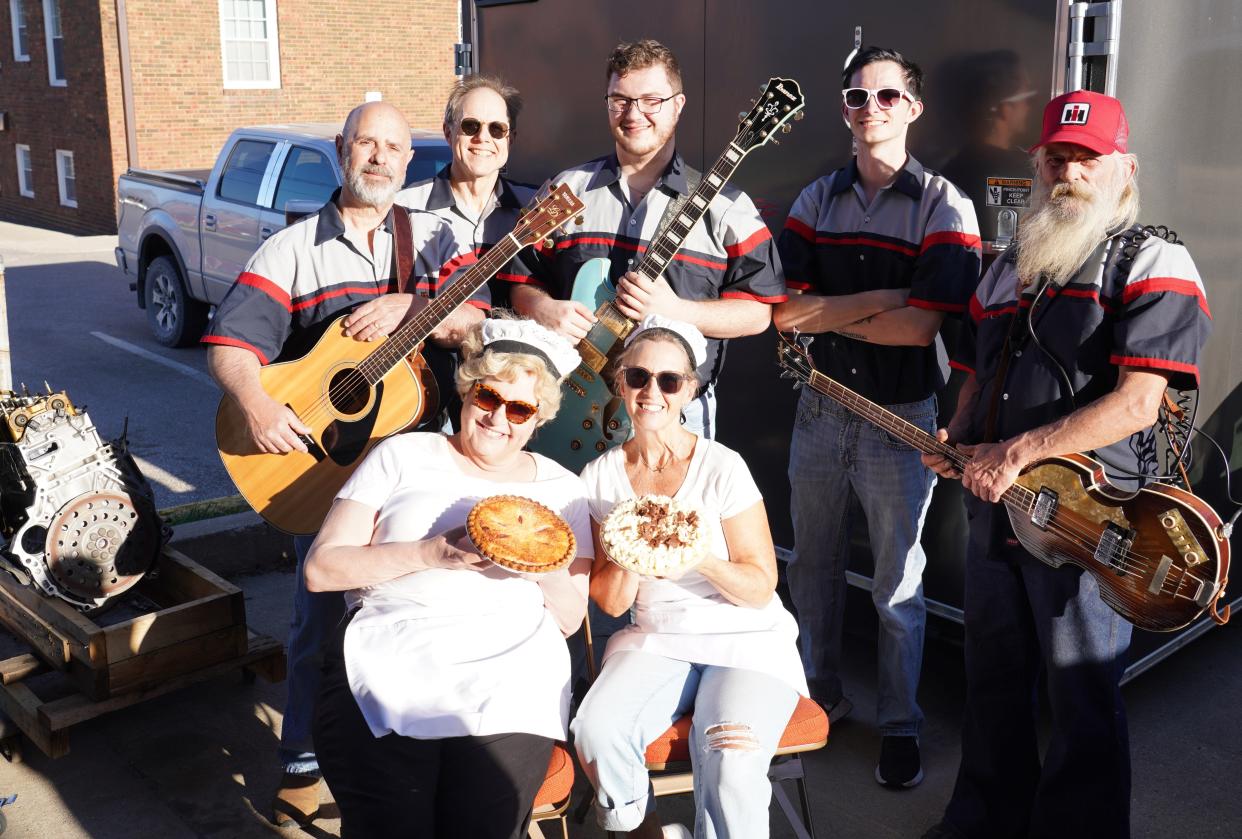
(531, 338)
(691, 338)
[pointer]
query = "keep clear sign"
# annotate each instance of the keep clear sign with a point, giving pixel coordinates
(1009, 192)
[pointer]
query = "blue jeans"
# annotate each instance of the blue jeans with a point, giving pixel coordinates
(834, 453)
(315, 616)
(1026, 624)
(739, 716)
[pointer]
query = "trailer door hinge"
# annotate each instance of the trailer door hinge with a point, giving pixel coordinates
(463, 59)
(1094, 41)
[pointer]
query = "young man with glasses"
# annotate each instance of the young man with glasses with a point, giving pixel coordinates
(876, 254)
(726, 276)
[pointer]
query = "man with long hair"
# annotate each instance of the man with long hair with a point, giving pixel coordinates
(1073, 336)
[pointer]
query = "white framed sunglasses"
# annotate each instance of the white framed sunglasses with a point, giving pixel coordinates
(886, 97)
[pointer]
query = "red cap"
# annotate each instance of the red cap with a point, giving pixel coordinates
(1088, 119)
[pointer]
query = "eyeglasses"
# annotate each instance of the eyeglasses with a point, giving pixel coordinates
(618, 104)
(636, 378)
(488, 400)
(885, 97)
(471, 126)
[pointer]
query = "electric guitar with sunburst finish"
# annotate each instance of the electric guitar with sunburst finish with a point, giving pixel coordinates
(1160, 556)
(592, 419)
(353, 394)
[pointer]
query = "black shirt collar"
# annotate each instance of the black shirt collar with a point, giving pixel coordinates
(909, 180)
(330, 225)
(674, 177)
(441, 195)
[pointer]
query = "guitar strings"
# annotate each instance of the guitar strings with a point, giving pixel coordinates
(1130, 562)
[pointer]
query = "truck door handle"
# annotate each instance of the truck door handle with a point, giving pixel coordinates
(264, 232)
(209, 220)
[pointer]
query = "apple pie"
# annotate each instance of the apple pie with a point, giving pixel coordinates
(520, 534)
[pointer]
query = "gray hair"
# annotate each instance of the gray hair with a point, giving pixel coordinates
(468, 84)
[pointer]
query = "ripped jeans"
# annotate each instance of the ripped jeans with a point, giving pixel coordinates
(739, 716)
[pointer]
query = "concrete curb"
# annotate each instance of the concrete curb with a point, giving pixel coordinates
(242, 543)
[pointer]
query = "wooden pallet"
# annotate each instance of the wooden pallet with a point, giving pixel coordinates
(197, 631)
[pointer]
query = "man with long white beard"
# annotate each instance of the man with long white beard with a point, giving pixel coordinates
(300, 280)
(1073, 336)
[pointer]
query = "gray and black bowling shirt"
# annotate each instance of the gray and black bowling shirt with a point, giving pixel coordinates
(313, 271)
(919, 233)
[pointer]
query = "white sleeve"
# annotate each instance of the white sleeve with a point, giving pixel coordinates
(376, 478)
(738, 490)
(600, 498)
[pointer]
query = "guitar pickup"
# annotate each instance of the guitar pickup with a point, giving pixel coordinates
(1045, 508)
(1115, 542)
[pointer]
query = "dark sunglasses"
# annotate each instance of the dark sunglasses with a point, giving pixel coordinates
(885, 97)
(471, 126)
(516, 411)
(636, 378)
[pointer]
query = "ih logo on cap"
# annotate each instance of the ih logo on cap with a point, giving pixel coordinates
(1075, 113)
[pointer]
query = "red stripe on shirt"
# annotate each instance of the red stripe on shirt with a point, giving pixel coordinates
(801, 228)
(266, 286)
(748, 244)
(800, 286)
(1154, 285)
(868, 242)
(935, 305)
(370, 291)
(234, 342)
(957, 365)
(744, 295)
(521, 278)
(1155, 364)
(479, 304)
(951, 237)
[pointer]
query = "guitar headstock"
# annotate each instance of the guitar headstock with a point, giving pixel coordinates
(553, 211)
(780, 102)
(793, 354)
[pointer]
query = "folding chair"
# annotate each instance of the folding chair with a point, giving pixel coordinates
(552, 800)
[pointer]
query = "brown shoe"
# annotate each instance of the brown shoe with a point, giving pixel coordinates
(296, 802)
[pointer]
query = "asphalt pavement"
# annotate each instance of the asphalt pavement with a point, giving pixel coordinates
(74, 324)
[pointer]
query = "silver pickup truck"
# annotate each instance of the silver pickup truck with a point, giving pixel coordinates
(184, 236)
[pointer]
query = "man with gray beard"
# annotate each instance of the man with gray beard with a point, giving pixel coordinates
(1072, 338)
(301, 279)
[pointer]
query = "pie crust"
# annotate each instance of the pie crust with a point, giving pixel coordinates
(520, 534)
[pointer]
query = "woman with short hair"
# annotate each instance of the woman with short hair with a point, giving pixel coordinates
(448, 683)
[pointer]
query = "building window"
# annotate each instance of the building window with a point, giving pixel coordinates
(25, 172)
(249, 45)
(55, 43)
(65, 179)
(17, 14)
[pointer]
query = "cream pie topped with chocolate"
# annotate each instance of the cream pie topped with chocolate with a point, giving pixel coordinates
(654, 535)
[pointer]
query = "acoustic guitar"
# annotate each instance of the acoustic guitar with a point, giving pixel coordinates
(353, 394)
(1160, 556)
(592, 419)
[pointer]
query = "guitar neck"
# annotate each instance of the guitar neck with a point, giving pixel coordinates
(416, 330)
(906, 431)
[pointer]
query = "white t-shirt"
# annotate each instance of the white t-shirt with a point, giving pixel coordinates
(689, 619)
(449, 653)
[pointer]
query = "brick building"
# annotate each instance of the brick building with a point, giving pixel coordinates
(197, 69)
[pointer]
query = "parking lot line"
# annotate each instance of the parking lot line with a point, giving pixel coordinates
(184, 369)
(167, 480)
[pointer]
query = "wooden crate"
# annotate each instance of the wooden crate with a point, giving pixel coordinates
(197, 631)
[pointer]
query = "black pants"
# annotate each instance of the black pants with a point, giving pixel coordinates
(403, 788)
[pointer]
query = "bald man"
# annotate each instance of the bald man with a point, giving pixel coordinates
(339, 259)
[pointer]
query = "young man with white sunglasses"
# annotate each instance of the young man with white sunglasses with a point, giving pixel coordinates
(875, 255)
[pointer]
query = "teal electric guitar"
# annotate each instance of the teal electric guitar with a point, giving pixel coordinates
(592, 418)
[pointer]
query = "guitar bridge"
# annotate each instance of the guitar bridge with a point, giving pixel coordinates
(1114, 545)
(1045, 508)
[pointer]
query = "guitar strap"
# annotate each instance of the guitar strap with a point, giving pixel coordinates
(402, 247)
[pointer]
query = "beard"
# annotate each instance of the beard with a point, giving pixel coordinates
(648, 142)
(1067, 222)
(378, 196)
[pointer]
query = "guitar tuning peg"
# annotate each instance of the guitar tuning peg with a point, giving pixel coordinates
(775, 142)
(579, 221)
(805, 341)
(798, 116)
(786, 128)
(548, 243)
(741, 115)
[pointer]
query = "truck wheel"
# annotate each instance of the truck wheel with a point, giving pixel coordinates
(176, 320)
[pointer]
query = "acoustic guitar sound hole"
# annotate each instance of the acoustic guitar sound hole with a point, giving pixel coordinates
(348, 391)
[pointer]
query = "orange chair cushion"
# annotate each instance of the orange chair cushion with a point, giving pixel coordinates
(559, 780)
(807, 725)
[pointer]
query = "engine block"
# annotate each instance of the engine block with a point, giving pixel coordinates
(78, 517)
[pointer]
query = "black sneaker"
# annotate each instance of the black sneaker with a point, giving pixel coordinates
(838, 710)
(899, 766)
